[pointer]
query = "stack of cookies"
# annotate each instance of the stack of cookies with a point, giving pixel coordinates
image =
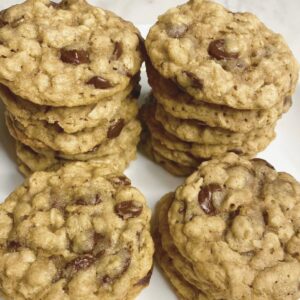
(231, 231)
(220, 82)
(77, 233)
(69, 76)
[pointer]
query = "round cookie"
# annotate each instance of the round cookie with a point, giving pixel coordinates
(72, 119)
(169, 165)
(247, 147)
(221, 57)
(183, 106)
(118, 152)
(43, 135)
(180, 265)
(195, 132)
(69, 54)
(80, 232)
(237, 222)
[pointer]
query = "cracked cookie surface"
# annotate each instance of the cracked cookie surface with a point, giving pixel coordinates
(80, 232)
(221, 57)
(69, 54)
(40, 134)
(237, 222)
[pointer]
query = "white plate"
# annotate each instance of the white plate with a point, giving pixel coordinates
(154, 182)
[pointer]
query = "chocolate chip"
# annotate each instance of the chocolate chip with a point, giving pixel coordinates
(259, 160)
(101, 244)
(205, 198)
(266, 217)
(145, 280)
(177, 31)
(126, 261)
(232, 215)
(80, 202)
(196, 82)
(93, 201)
(236, 151)
(115, 129)
(128, 209)
(81, 262)
(121, 180)
(74, 57)
(58, 128)
(136, 92)
(100, 83)
(118, 51)
(217, 50)
(13, 246)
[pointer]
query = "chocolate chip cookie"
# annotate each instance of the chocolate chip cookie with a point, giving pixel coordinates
(237, 222)
(117, 153)
(47, 136)
(72, 119)
(80, 232)
(181, 105)
(221, 57)
(68, 54)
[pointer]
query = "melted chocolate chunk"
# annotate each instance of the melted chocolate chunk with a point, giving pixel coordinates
(145, 280)
(266, 217)
(58, 128)
(93, 201)
(81, 262)
(196, 82)
(128, 209)
(236, 151)
(259, 160)
(217, 50)
(74, 57)
(126, 261)
(118, 51)
(115, 129)
(205, 198)
(121, 180)
(177, 31)
(101, 244)
(13, 246)
(232, 215)
(100, 83)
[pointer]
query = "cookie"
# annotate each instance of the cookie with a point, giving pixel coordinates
(247, 147)
(78, 225)
(69, 54)
(237, 222)
(183, 106)
(43, 135)
(118, 153)
(181, 268)
(221, 57)
(196, 132)
(169, 165)
(72, 119)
